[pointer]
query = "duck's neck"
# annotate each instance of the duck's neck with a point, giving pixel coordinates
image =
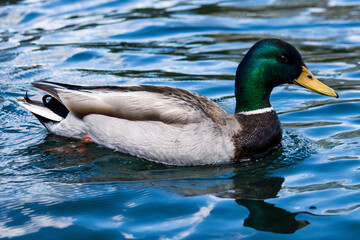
(252, 90)
(250, 101)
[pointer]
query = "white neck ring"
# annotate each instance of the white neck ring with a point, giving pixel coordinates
(258, 111)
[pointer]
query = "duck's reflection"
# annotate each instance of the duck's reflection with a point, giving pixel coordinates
(263, 216)
(250, 185)
(250, 192)
(266, 217)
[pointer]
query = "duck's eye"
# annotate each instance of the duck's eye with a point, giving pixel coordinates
(282, 59)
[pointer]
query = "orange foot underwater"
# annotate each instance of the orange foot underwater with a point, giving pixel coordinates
(73, 149)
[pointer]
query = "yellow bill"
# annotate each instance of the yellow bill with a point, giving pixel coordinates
(307, 80)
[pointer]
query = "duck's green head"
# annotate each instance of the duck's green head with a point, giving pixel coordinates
(269, 63)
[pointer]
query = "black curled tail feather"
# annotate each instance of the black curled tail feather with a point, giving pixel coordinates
(54, 105)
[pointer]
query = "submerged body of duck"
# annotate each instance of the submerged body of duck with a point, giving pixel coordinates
(174, 126)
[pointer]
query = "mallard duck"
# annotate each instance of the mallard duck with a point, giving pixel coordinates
(173, 126)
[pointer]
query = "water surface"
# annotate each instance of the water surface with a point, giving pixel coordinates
(308, 189)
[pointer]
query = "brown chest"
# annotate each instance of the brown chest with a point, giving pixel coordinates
(259, 134)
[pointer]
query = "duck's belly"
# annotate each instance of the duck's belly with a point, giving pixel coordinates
(191, 144)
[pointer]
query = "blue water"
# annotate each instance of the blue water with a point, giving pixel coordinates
(308, 189)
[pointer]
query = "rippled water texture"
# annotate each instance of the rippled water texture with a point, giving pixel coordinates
(308, 189)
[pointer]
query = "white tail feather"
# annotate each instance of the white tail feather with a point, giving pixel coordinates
(40, 110)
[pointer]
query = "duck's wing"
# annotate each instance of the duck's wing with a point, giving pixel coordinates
(136, 103)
